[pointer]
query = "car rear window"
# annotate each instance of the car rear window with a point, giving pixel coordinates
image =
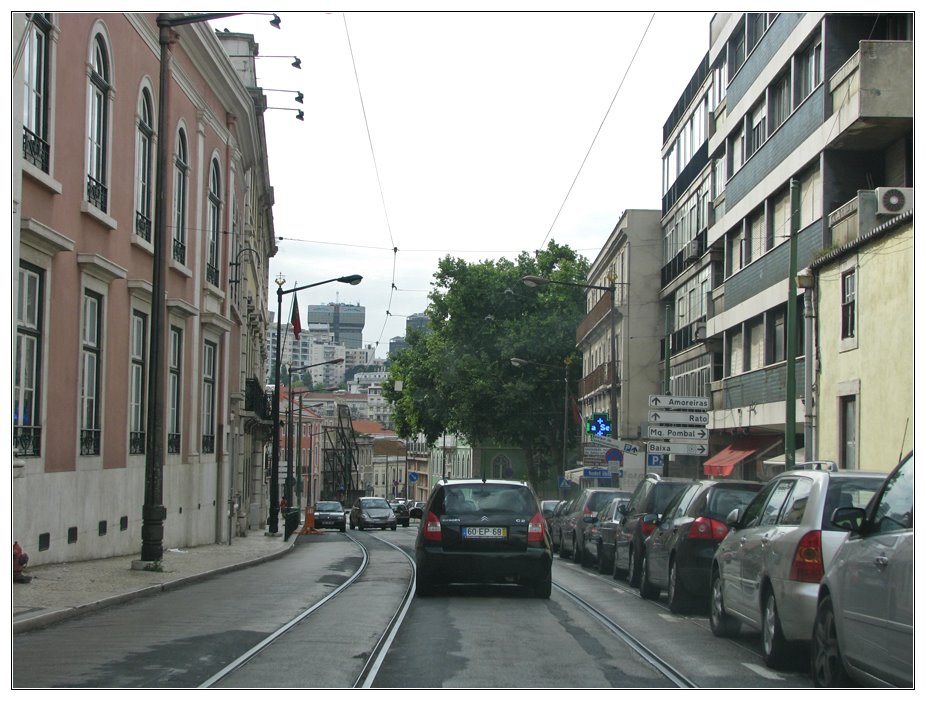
(598, 500)
(456, 500)
(845, 490)
(328, 506)
(375, 504)
(722, 500)
(664, 493)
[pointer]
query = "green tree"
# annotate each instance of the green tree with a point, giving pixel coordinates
(459, 377)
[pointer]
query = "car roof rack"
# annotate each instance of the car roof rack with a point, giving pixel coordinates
(824, 465)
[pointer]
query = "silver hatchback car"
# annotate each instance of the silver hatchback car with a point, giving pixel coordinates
(864, 627)
(766, 573)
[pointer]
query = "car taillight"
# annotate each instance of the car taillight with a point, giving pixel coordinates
(707, 528)
(807, 564)
(535, 529)
(432, 531)
(647, 528)
(586, 511)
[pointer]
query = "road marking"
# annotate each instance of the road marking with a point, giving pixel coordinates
(671, 618)
(762, 671)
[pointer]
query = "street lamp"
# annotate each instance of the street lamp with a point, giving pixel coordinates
(521, 362)
(535, 281)
(288, 494)
(153, 510)
(273, 520)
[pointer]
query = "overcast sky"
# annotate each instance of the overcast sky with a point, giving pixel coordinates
(458, 133)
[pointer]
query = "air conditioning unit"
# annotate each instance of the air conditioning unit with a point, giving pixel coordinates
(894, 200)
(690, 253)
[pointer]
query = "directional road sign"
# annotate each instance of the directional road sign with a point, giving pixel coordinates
(685, 433)
(669, 402)
(690, 418)
(677, 448)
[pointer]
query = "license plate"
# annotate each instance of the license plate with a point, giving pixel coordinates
(484, 532)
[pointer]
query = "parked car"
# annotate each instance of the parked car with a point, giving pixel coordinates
(547, 507)
(677, 555)
(766, 573)
(400, 510)
(572, 524)
(608, 523)
(651, 496)
(329, 514)
(556, 523)
(415, 510)
(863, 629)
(483, 531)
(597, 526)
(372, 512)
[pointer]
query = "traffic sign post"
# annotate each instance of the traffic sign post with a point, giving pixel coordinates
(680, 423)
(677, 433)
(677, 448)
(683, 418)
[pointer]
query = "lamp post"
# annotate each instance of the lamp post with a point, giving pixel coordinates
(288, 494)
(521, 362)
(153, 511)
(534, 281)
(273, 520)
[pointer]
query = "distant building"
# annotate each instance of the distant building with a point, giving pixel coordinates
(397, 343)
(345, 321)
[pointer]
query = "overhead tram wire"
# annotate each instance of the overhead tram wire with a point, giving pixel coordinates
(597, 133)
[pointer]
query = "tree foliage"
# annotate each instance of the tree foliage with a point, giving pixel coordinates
(458, 376)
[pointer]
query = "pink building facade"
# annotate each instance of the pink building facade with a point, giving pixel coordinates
(85, 140)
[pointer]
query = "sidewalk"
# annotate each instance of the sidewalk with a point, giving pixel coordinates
(68, 589)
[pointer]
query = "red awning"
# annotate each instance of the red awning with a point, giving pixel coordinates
(722, 464)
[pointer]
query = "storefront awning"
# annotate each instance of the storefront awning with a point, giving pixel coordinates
(721, 464)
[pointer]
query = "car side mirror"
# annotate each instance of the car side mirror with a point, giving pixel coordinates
(622, 508)
(651, 519)
(733, 518)
(849, 518)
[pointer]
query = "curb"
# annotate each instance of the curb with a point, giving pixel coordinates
(47, 618)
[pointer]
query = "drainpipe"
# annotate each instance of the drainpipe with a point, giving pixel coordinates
(806, 280)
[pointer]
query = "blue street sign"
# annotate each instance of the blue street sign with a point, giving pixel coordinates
(412, 476)
(596, 472)
(564, 483)
(654, 460)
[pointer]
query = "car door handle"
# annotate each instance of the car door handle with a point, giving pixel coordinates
(881, 562)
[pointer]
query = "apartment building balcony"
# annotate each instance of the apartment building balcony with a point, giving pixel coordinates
(599, 313)
(872, 95)
(597, 379)
(763, 386)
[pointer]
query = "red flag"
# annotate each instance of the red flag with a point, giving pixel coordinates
(576, 415)
(297, 325)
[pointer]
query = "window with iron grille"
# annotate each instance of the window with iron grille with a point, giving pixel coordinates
(174, 365)
(27, 380)
(209, 352)
(137, 376)
(98, 126)
(214, 223)
(35, 61)
(91, 365)
(144, 150)
(181, 176)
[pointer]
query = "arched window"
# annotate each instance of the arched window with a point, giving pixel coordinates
(143, 153)
(36, 99)
(181, 176)
(98, 126)
(215, 208)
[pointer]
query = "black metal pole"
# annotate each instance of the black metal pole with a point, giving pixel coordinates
(153, 511)
(288, 487)
(273, 520)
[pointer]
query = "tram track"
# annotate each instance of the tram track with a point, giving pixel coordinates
(374, 660)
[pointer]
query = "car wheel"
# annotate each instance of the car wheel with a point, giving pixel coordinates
(774, 645)
(617, 571)
(577, 549)
(342, 529)
(678, 599)
(423, 586)
(352, 525)
(647, 590)
(722, 624)
(633, 568)
(603, 562)
(393, 527)
(563, 553)
(826, 665)
(556, 544)
(544, 588)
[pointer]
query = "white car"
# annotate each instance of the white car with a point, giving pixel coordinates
(767, 571)
(863, 630)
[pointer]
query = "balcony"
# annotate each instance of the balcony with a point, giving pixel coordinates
(872, 95)
(256, 400)
(598, 378)
(596, 316)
